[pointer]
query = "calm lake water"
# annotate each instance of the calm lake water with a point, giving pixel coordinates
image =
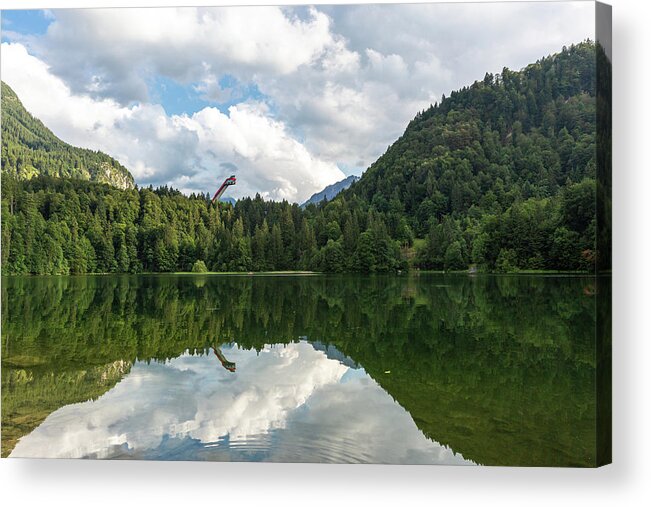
(442, 369)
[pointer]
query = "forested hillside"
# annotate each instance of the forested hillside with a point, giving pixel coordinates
(500, 174)
(30, 149)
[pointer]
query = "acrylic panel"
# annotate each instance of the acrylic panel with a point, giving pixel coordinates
(333, 234)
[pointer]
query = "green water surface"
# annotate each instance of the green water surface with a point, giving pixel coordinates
(429, 368)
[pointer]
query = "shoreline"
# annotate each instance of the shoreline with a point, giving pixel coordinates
(321, 273)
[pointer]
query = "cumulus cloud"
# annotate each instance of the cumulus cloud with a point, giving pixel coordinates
(110, 52)
(287, 402)
(188, 152)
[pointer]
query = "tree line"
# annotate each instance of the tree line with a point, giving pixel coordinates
(61, 226)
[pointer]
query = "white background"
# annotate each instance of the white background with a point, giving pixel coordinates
(626, 482)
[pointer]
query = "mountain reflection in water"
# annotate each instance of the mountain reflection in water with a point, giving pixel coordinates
(418, 369)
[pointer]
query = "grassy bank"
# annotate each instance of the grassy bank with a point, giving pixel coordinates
(244, 273)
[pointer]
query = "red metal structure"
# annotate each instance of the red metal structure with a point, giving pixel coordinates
(227, 182)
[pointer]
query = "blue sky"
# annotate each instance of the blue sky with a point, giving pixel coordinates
(296, 98)
(25, 22)
(177, 98)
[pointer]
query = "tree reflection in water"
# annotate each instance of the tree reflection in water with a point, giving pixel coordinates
(499, 369)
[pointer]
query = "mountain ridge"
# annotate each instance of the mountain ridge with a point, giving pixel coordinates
(29, 149)
(331, 191)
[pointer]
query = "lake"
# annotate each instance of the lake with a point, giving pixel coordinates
(420, 368)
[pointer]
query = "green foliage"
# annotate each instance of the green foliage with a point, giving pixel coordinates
(453, 257)
(30, 149)
(199, 267)
(333, 257)
(61, 226)
(507, 261)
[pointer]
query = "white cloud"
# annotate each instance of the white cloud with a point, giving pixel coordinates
(342, 81)
(110, 52)
(185, 151)
(316, 408)
(267, 157)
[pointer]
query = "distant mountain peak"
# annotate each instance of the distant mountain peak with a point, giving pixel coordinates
(230, 200)
(331, 191)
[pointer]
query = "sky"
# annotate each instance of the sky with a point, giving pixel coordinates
(289, 99)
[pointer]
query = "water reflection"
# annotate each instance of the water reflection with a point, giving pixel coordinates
(228, 365)
(286, 403)
(426, 369)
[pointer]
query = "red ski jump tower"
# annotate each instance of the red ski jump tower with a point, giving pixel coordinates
(227, 182)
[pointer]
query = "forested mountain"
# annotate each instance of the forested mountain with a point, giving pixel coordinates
(30, 149)
(500, 174)
(331, 191)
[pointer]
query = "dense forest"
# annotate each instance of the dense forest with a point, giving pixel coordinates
(500, 174)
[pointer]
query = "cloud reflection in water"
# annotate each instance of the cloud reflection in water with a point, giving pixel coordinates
(285, 403)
